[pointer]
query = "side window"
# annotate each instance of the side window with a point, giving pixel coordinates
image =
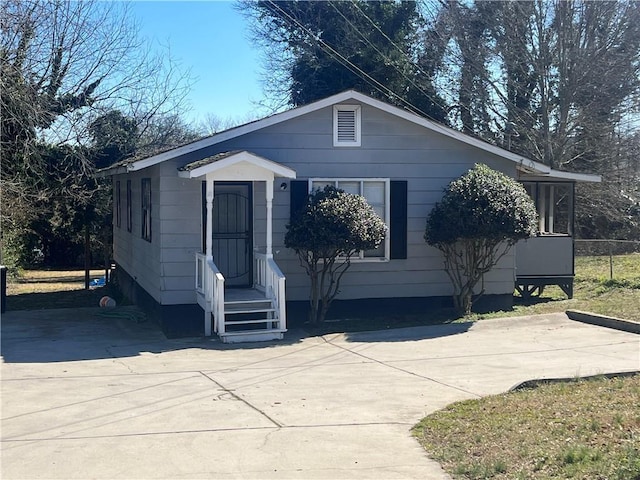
(129, 211)
(146, 208)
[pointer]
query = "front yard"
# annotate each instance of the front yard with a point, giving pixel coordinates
(583, 429)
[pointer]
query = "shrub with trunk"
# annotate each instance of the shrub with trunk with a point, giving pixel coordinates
(332, 228)
(480, 217)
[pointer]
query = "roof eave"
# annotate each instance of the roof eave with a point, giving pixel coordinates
(557, 175)
(110, 171)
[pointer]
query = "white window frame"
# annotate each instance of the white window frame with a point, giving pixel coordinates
(358, 120)
(359, 257)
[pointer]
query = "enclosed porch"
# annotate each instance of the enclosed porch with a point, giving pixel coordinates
(239, 286)
(548, 258)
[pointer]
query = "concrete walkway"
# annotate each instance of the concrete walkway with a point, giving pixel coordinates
(85, 396)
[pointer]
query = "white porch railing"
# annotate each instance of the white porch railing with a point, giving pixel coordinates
(269, 278)
(210, 284)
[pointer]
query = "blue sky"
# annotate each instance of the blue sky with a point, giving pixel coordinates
(211, 39)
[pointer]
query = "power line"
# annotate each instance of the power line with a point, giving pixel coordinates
(340, 58)
(354, 68)
(390, 62)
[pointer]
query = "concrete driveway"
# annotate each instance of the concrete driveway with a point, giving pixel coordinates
(85, 396)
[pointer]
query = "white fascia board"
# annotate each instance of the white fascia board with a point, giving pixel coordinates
(557, 175)
(261, 163)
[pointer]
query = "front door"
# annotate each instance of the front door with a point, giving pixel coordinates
(232, 232)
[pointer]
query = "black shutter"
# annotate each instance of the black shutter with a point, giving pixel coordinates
(299, 193)
(398, 220)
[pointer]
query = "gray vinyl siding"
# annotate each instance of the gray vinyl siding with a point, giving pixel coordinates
(138, 257)
(180, 234)
(390, 148)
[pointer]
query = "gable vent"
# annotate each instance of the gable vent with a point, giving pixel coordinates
(346, 125)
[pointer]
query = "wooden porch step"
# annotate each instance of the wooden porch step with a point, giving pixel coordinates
(249, 322)
(249, 301)
(241, 309)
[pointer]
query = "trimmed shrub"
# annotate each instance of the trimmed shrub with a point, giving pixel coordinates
(480, 217)
(332, 228)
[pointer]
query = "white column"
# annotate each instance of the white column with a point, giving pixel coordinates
(552, 207)
(209, 239)
(269, 196)
(208, 251)
(542, 207)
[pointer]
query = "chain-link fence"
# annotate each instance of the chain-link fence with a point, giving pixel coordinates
(614, 259)
(597, 247)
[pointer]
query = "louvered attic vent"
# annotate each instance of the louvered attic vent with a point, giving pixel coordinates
(346, 126)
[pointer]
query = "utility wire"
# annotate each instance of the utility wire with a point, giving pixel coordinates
(390, 62)
(341, 59)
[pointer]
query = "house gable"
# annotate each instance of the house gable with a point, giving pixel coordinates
(348, 97)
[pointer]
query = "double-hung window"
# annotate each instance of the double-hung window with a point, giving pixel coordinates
(129, 208)
(118, 205)
(146, 209)
(376, 192)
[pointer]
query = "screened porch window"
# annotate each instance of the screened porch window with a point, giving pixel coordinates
(554, 203)
(376, 192)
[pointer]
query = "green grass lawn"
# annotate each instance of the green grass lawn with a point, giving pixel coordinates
(583, 429)
(594, 291)
(42, 289)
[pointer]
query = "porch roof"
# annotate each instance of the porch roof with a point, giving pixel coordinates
(236, 165)
(551, 175)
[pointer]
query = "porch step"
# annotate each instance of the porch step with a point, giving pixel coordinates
(253, 335)
(249, 322)
(253, 306)
(246, 317)
(252, 301)
(240, 311)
